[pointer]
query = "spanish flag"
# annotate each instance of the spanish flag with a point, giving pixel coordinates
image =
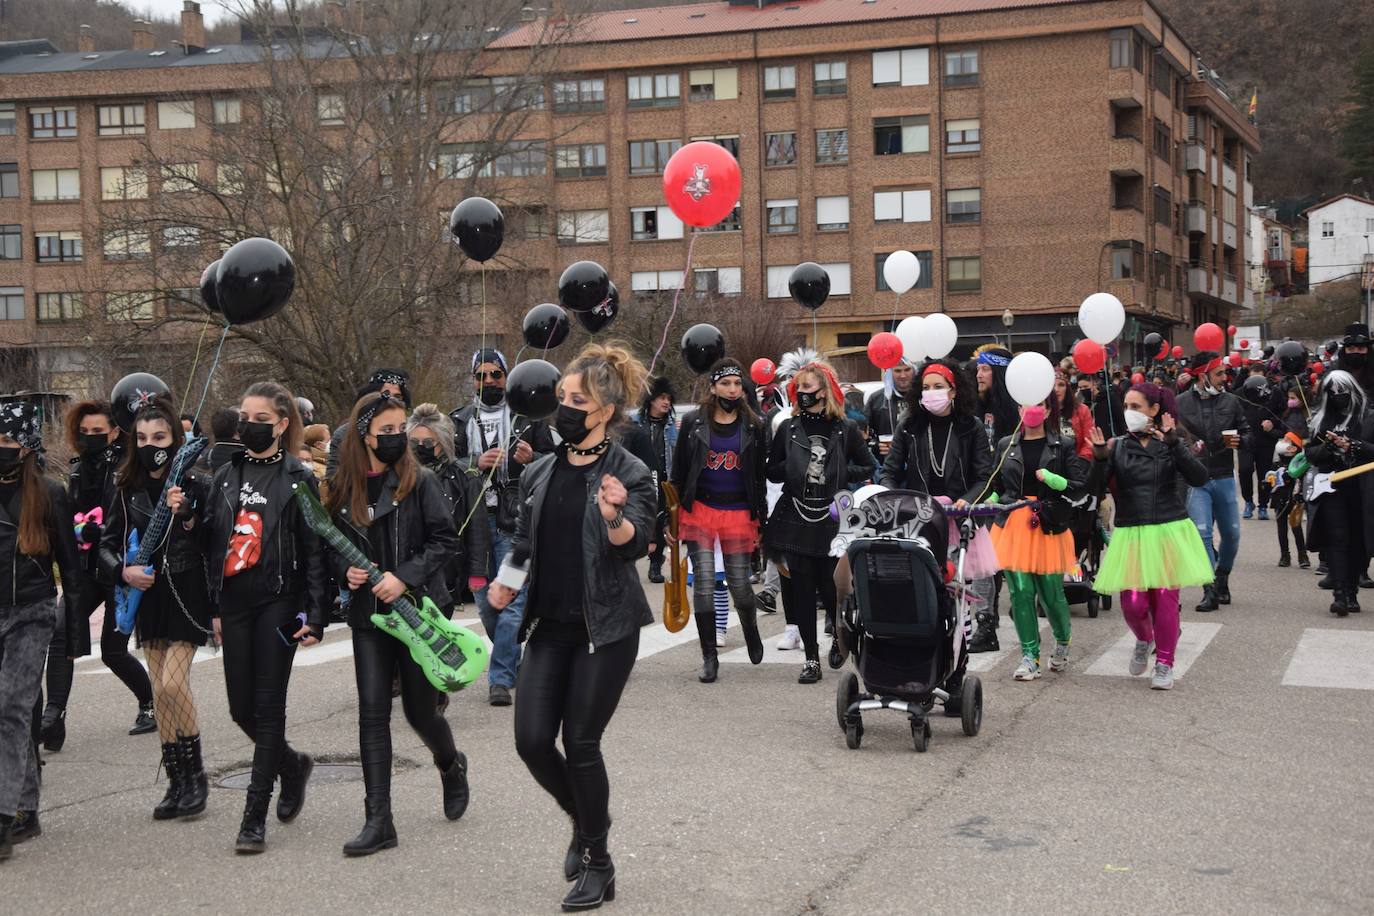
(1254, 103)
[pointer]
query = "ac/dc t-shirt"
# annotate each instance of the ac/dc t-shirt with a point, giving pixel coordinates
(721, 483)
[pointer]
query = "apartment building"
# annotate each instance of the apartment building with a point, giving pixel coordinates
(1029, 152)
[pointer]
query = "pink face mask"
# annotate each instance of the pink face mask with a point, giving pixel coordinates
(1034, 415)
(1292, 403)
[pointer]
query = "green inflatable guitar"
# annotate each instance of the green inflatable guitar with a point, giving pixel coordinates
(451, 656)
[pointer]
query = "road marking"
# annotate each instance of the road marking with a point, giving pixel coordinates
(1343, 659)
(1115, 660)
(982, 662)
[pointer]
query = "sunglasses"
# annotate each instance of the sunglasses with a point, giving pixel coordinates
(495, 375)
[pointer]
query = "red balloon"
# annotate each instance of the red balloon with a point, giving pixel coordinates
(701, 183)
(1312, 378)
(763, 371)
(1138, 378)
(1234, 360)
(885, 350)
(1231, 330)
(1089, 356)
(1318, 367)
(1178, 352)
(1163, 349)
(1208, 337)
(1244, 344)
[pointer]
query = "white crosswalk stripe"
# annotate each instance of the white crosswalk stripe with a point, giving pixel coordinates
(1010, 649)
(1115, 661)
(1342, 659)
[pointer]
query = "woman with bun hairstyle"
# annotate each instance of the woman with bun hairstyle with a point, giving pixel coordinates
(1155, 549)
(586, 515)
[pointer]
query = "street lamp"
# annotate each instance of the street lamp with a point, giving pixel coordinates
(1008, 319)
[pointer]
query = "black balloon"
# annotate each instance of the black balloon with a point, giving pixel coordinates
(207, 287)
(1151, 343)
(1269, 351)
(479, 228)
(546, 326)
(133, 392)
(583, 286)
(809, 285)
(702, 345)
(1292, 357)
(597, 319)
(532, 388)
(255, 280)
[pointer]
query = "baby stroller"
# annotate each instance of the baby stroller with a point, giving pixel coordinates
(1087, 542)
(903, 629)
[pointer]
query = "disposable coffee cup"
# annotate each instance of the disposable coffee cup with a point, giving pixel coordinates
(1230, 434)
(885, 440)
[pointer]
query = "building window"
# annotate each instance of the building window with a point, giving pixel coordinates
(179, 115)
(1163, 75)
(964, 205)
(56, 184)
(648, 157)
(56, 247)
(1163, 141)
(59, 306)
(832, 145)
(780, 149)
(123, 183)
(963, 136)
(228, 111)
(895, 136)
(1127, 50)
(782, 216)
(961, 68)
(579, 95)
(464, 160)
(906, 67)
(832, 214)
(47, 123)
(1164, 270)
(579, 160)
(513, 93)
(963, 274)
(1328, 229)
(1128, 260)
(1369, 225)
(576, 227)
(780, 82)
(659, 90)
(651, 281)
(1126, 192)
(724, 281)
(923, 281)
(180, 237)
(526, 222)
(127, 245)
(653, 223)
(119, 120)
(523, 159)
(830, 77)
(129, 306)
(731, 223)
(902, 206)
(719, 85)
(467, 97)
(777, 278)
(11, 243)
(840, 284)
(7, 123)
(178, 177)
(1164, 207)
(1228, 207)
(730, 142)
(11, 303)
(9, 179)
(329, 106)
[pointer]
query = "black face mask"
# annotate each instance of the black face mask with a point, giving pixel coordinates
(256, 437)
(390, 447)
(490, 396)
(1354, 361)
(1338, 401)
(153, 457)
(427, 456)
(807, 399)
(729, 405)
(9, 460)
(571, 424)
(92, 444)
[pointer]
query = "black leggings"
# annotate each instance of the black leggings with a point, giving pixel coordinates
(1253, 466)
(1282, 503)
(114, 653)
(257, 669)
(376, 657)
(1342, 536)
(810, 576)
(561, 684)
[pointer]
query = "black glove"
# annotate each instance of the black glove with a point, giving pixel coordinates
(91, 532)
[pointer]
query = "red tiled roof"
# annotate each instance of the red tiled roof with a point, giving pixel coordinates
(720, 17)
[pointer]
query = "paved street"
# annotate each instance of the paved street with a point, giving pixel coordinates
(1246, 789)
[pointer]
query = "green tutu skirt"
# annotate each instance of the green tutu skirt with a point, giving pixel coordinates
(1170, 555)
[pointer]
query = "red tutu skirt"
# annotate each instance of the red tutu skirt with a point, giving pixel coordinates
(1025, 547)
(735, 530)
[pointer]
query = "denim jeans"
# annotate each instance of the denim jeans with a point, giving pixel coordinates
(503, 627)
(1215, 501)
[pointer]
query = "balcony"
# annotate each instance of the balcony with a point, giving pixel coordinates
(1228, 289)
(1127, 156)
(1197, 280)
(1228, 177)
(1229, 235)
(1195, 157)
(1195, 217)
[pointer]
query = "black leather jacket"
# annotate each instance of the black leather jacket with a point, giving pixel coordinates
(535, 432)
(1059, 456)
(968, 461)
(614, 600)
(848, 460)
(689, 458)
(412, 538)
(27, 579)
(131, 509)
(472, 554)
(1152, 479)
(292, 555)
(1204, 419)
(85, 498)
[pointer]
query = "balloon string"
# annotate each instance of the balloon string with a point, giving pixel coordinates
(210, 376)
(1111, 407)
(815, 333)
(677, 296)
(186, 392)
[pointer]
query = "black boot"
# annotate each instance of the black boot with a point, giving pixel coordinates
(706, 635)
(1222, 586)
(1339, 607)
(572, 862)
(196, 786)
(145, 721)
(748, 621)
(985, 637)
(253, 829)
(295, 775)
(1327, 582)
(455, 780)
(53, 731)
(656, 570)
(596, 880)
(166, 809)
(1303, 561)
(1209, 599)
(1352, 599)
(1285, 561)
(811, 668)
(378, 833)
(6, 846)
(25, 827)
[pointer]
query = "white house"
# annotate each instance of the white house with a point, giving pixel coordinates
(1340, 233)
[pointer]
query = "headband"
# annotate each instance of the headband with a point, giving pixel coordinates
(19, 420)
(1208, 367)
(992, 359)
(489, 355)
(388, 377)
(384, 401)
(941, 370)
(726, 372)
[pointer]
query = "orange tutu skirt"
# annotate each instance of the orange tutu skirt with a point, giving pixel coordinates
(1024, 548)
(735, 530)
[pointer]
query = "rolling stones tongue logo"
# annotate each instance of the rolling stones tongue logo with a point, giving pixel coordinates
(698, 186)
(245, 544)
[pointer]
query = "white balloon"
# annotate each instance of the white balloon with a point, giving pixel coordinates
(910, 332)
(866, 491)
(1101, 316)
(939, 334)
(1030, 378)
(901, 270)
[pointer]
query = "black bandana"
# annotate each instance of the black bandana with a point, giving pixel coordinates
(371, 410)
(19, 420)
(726, 372)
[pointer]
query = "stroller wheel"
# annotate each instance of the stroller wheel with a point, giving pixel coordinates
(972, 699)
(1094, 604)
(853, 734)
(1106, 602)
(845, 694)
(920, 735)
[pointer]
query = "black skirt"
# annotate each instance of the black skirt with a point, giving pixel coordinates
(806, 530)
(161, 616)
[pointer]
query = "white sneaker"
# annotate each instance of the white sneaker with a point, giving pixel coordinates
(791, 638)
(720, 639)
(1029, 669)
(1164, 677)
(1140, 658)
(1060, 659)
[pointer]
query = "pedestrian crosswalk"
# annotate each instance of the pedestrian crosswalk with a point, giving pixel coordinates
(1332, 658)
(1116, 659)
